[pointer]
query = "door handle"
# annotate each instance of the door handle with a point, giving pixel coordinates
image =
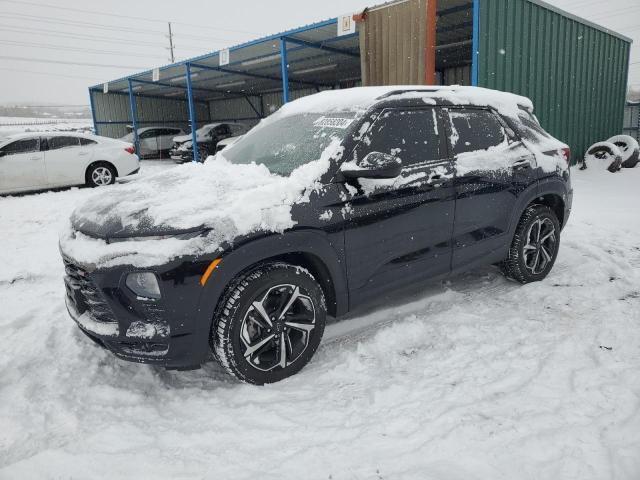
(437, 180)
(521, 164)
(82, 154)
(34, 158)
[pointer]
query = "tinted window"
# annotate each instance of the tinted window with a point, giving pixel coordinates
(475, 130)
(223, 130)
(22, 146)
(168, 131)
(148, 134)
(56, 143)
(411, 135)
(86, 141)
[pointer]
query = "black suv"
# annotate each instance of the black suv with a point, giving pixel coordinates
(403, 185)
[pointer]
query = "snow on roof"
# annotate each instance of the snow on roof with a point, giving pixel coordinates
(362, 98)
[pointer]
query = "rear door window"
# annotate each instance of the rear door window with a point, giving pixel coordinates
(56, 143)
(475, 130)
(411, 135)
(86, 141)
(26, 145)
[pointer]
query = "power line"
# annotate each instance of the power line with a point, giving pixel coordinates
(100, 26)
(77, 36)
(63, 62)
(48, 74)
(102, 39)
(60, 21)
(146, 19)
(64, 48)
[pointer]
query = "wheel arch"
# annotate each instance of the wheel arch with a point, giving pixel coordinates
(554, 202)
(310, 249)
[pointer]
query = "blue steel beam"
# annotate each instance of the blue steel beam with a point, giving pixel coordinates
(476, 43)
(254, 75)
(93, 112)
(192, 113)
(145, 95)
(285, 69)
(321, 46)
(134, 120)
(180, 87)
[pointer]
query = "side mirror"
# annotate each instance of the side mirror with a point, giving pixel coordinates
(374, 165)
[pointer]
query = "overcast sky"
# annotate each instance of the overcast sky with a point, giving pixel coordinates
(131, 35)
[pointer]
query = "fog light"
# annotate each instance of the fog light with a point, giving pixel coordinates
(144, 284)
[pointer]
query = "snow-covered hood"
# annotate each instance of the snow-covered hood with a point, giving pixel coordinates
(122, 224)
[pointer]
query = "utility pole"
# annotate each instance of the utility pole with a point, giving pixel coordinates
(171, 43)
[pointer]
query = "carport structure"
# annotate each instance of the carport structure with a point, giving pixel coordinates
(289, 64)
(265, 73)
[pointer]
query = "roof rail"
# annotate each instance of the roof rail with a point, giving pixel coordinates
(415, 90)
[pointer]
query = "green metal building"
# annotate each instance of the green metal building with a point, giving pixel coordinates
(574, 71)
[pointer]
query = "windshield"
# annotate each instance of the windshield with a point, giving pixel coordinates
(289, 142)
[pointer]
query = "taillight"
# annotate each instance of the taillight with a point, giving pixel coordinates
(130, 150)
(566, 152)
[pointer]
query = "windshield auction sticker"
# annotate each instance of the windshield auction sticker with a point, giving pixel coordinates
(333, 122)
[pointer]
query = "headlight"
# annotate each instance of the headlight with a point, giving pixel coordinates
(144, 284)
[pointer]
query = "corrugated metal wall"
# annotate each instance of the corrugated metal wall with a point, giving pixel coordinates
(631, 124)
(115, 108)
(392, 44)
(457, 76)
(575, 74)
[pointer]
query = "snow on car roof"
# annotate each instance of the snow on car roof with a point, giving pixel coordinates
(18, 136)
(362, 98)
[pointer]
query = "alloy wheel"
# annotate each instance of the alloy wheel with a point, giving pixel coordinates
(276, 329)
(101, 176)
(541, 245)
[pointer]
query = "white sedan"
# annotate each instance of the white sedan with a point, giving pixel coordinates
(40, 160)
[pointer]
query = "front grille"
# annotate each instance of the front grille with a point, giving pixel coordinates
(84, 294)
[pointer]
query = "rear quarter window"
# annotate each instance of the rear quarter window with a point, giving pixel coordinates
(474, 130)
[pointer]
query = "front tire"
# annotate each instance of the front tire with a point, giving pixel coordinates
(101, 174)
(534, 247)
(269, 323)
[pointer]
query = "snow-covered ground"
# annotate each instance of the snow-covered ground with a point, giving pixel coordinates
(11, 125)
(473, 378)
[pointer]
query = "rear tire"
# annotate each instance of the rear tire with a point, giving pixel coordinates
(534, 247)
(269, 323)
(100, 174)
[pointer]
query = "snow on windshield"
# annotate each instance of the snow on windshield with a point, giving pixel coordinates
(286, 144)
(231, 199)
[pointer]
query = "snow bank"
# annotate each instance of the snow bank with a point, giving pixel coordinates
(230, 199)
(474, 378)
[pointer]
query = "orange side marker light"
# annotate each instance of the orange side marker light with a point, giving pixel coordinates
(209, 271)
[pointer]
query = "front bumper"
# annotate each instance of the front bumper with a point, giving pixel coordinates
(181, 156)
(170, 332)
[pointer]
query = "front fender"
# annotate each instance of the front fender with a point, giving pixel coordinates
(238, 259)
